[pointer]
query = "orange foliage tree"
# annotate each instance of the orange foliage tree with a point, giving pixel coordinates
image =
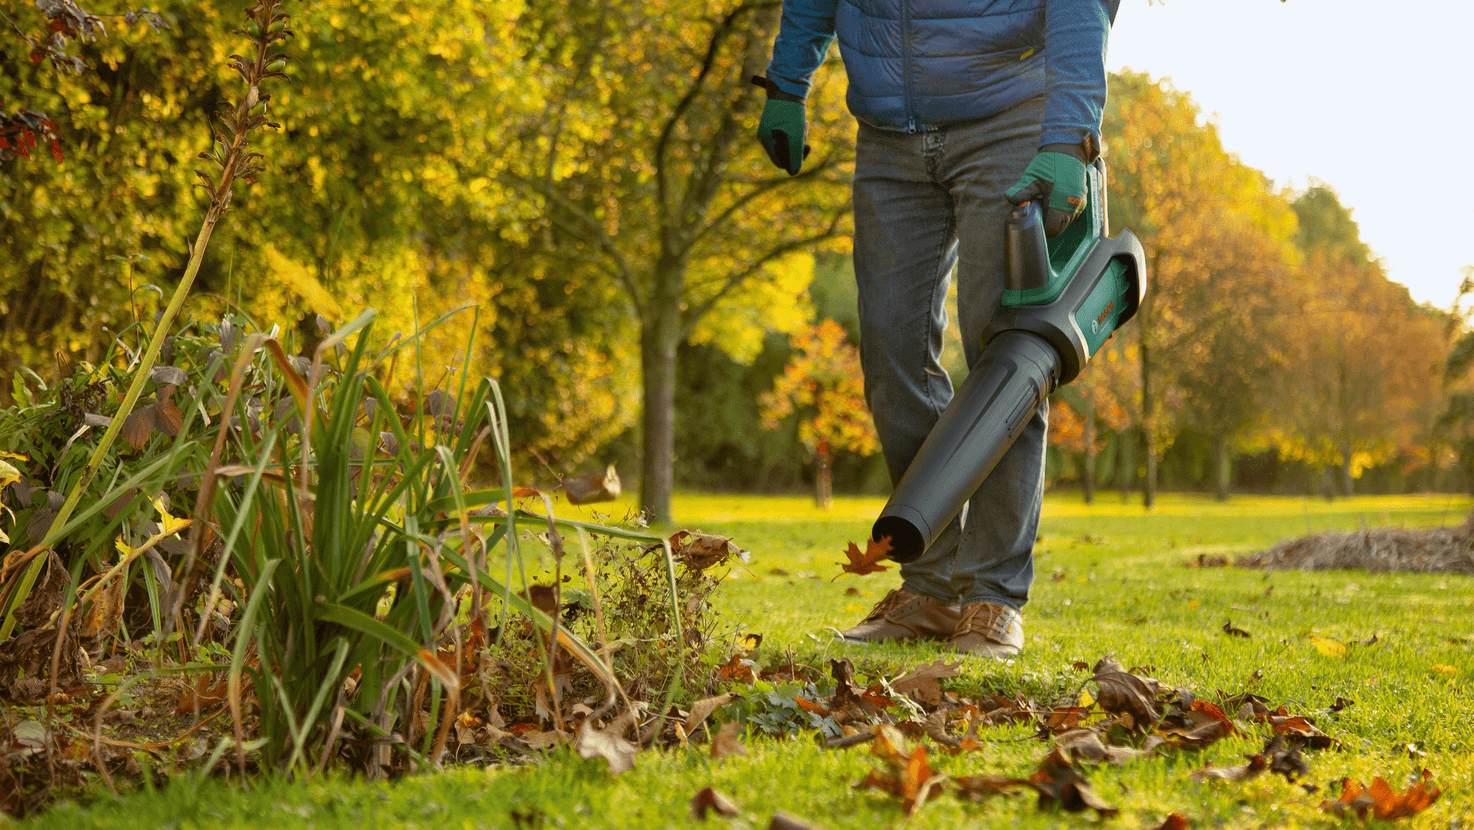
(821, 385)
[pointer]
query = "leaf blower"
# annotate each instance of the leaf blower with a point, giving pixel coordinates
(1062, 299)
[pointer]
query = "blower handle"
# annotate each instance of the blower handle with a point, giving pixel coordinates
(1028, 252)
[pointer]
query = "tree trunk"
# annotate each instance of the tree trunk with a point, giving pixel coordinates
(1347, 482)
(1220, 454)
(823, 478)
(659, 336)
(1148, 423)
(1127, 462)
(1087, 475)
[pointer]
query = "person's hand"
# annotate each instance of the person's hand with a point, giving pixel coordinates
(782, 128)
(1055, 179)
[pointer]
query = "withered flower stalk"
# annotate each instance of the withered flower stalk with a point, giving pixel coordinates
(237, 162)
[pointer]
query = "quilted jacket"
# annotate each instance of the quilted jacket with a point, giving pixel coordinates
(916, 65)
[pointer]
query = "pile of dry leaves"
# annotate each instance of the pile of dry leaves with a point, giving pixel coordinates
(1436, 550)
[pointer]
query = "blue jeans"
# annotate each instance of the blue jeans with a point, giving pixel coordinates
(925, 202)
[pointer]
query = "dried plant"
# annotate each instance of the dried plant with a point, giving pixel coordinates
(237, 162)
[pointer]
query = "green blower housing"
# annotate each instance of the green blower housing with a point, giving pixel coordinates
(1062, 299)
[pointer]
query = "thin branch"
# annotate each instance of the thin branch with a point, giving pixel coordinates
(694, 313)
(590, 225)
(713, 48)
(763, 186)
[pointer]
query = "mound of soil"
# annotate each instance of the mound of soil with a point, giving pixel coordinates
(1437, 550)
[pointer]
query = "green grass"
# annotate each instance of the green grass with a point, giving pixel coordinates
(1112, 579)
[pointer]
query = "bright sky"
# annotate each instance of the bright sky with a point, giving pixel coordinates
(1375, 99)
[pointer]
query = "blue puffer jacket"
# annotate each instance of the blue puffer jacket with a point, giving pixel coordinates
(921, 64)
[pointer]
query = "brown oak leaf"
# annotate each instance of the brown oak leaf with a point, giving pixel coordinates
(867, 562)
(1381, 801)
(921, 682)
(1124, 693)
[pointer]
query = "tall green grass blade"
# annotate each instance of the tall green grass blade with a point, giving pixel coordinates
(331, 680)
(368, 626)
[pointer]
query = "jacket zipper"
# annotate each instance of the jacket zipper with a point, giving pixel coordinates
(911, 126)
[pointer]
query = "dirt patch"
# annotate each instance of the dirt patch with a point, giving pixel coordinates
(1437, 550)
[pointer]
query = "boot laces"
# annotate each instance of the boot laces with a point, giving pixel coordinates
(893, 600)
(991, 621)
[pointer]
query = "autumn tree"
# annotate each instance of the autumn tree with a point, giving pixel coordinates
(1456, 421)
(91, 135)
(383, 191)
(1365, 354)
(1216, 240)
(648, 174)
(1095, 404)
(823, 388)
(1231, 359)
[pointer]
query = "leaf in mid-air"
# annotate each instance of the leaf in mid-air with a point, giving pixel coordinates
(867, 562)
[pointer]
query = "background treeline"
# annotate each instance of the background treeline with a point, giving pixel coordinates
(584, 174)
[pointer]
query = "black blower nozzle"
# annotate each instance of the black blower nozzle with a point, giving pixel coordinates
(1062, 299)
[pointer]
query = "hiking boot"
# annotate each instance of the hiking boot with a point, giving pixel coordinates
(904, 615)
(988, 629)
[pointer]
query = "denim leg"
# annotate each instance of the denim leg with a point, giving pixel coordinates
(905, 248)
(922, 203)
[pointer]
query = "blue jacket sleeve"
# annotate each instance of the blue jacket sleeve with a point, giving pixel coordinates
(804, 36)
(1075, 34)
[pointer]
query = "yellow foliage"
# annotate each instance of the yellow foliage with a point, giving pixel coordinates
(778, 304)
(303, 283)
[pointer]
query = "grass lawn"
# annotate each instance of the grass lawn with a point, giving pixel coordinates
(1112, 579)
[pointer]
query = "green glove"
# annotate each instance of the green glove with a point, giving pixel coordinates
(782, 128)
(1056, 178)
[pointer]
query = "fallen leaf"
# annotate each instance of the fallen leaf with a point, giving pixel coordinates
(846, 690)
(709, 800)
(1328, 647)
(866, 563)
(543, 740)
(1123, 692)
(921, 682)
(1063, 718)
(1235, 632)
(725, 741)
(1198, 737)
(1086, 745)
(201, 696)
(1173, 821)
(811, 706)
(1301, 730)
(1238, 772)
(1381, 801)
(1444, 669)
(789, 821)
(612, 747)
(1058, 781)
(738, 669)
(702, 709)
(1203, 712)
(978, 787)
(909, 775)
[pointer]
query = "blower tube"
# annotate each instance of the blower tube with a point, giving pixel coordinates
(1062, 300)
